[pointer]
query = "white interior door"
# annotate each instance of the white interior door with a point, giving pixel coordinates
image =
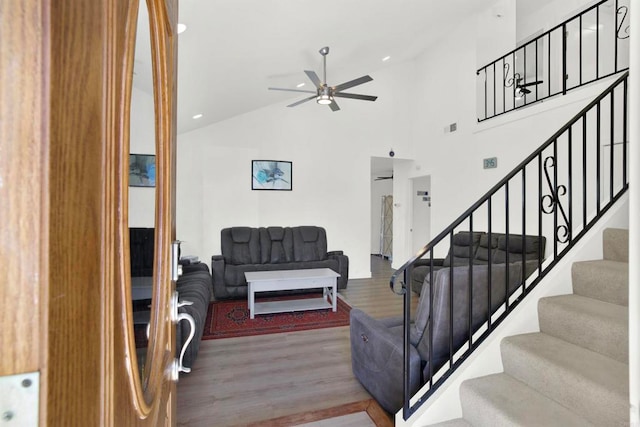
(421, 219)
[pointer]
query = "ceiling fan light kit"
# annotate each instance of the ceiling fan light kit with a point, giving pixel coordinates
(325, 94)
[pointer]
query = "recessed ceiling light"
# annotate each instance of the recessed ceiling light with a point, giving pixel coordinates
(300, 85)
(386, 58)
(181, 28)
(197, 116)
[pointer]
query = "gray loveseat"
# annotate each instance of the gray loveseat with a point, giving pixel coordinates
(271, 248)
(377, 345)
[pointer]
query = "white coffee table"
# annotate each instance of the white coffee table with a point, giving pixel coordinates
(281, 280)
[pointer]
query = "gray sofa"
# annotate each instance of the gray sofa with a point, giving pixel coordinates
(377, 345)
(193, 285)
(478, 246)
(271, 248)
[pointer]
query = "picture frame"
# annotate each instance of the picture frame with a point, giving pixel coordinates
(271, 175)
(142, 170)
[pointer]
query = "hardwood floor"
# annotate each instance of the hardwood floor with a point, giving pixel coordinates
(242, 381)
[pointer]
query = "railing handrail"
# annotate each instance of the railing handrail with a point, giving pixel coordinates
(546, 33)
(501, 183)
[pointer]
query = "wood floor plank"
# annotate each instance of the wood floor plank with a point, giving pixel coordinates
(245, 380)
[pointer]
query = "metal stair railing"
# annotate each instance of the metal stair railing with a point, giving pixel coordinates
(558, 192)
(592, 45)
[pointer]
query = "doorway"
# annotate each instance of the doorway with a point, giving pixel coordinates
(382, 207)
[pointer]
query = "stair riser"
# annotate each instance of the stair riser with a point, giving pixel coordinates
(594, 325)
(500, 400)
(602, 405)
(602, 280)
(615, 244)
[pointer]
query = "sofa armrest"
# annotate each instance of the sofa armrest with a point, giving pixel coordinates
(437, 262)
(343, 267)
(377, 359)
(217, 277)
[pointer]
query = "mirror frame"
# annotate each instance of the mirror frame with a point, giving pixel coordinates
(154, 393)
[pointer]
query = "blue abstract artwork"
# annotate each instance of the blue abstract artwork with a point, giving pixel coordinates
(142, 170)
(270, 175)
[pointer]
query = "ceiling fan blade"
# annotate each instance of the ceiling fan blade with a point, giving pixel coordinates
(301, 101)
(313, 77)
(292, 90)
(334, 106)
(531, 84)
(352, 83)
(355, 96)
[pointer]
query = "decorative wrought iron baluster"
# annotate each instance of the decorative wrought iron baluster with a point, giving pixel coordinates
(551, 202)
(510, 81)
(620, 32)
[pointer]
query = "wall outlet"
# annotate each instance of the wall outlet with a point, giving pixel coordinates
(453, 127)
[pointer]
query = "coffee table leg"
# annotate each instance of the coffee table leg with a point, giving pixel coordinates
(334, 297)
(252, 302)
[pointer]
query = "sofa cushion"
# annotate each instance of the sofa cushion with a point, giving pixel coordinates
(513, 244)
(464, 247)
(240, 245)
(309, 243)
(441, 293)
(276, 245)
(485, 247)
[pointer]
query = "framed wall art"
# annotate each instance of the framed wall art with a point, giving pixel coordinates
(271, 175)
(142, 170)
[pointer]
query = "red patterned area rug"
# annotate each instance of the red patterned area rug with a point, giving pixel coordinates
(226, 319)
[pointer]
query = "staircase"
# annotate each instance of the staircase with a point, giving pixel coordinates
(574, 372)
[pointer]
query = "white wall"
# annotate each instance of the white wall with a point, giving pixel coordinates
(142, 141)
(331, 154)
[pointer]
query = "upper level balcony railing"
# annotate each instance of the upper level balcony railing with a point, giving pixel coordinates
(589, 46)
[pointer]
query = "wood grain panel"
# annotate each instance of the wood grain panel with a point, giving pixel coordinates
(24, 40)
(77, 171)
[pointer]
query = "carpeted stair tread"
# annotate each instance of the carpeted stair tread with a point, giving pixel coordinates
(595, 325)
(615, 244)
(604, 280)
(587, 383)
(456, 422)
(501, 400)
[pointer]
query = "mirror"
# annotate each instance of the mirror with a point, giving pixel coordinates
(142, 188)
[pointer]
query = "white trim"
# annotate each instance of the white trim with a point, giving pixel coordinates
(634, 216)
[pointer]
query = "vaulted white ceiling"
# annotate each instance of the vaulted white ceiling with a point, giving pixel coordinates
(233, 50)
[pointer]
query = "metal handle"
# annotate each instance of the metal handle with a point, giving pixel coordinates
(176, 366)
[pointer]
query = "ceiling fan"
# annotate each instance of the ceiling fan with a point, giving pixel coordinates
(380, 178)
(521, 89)
(325, 94)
